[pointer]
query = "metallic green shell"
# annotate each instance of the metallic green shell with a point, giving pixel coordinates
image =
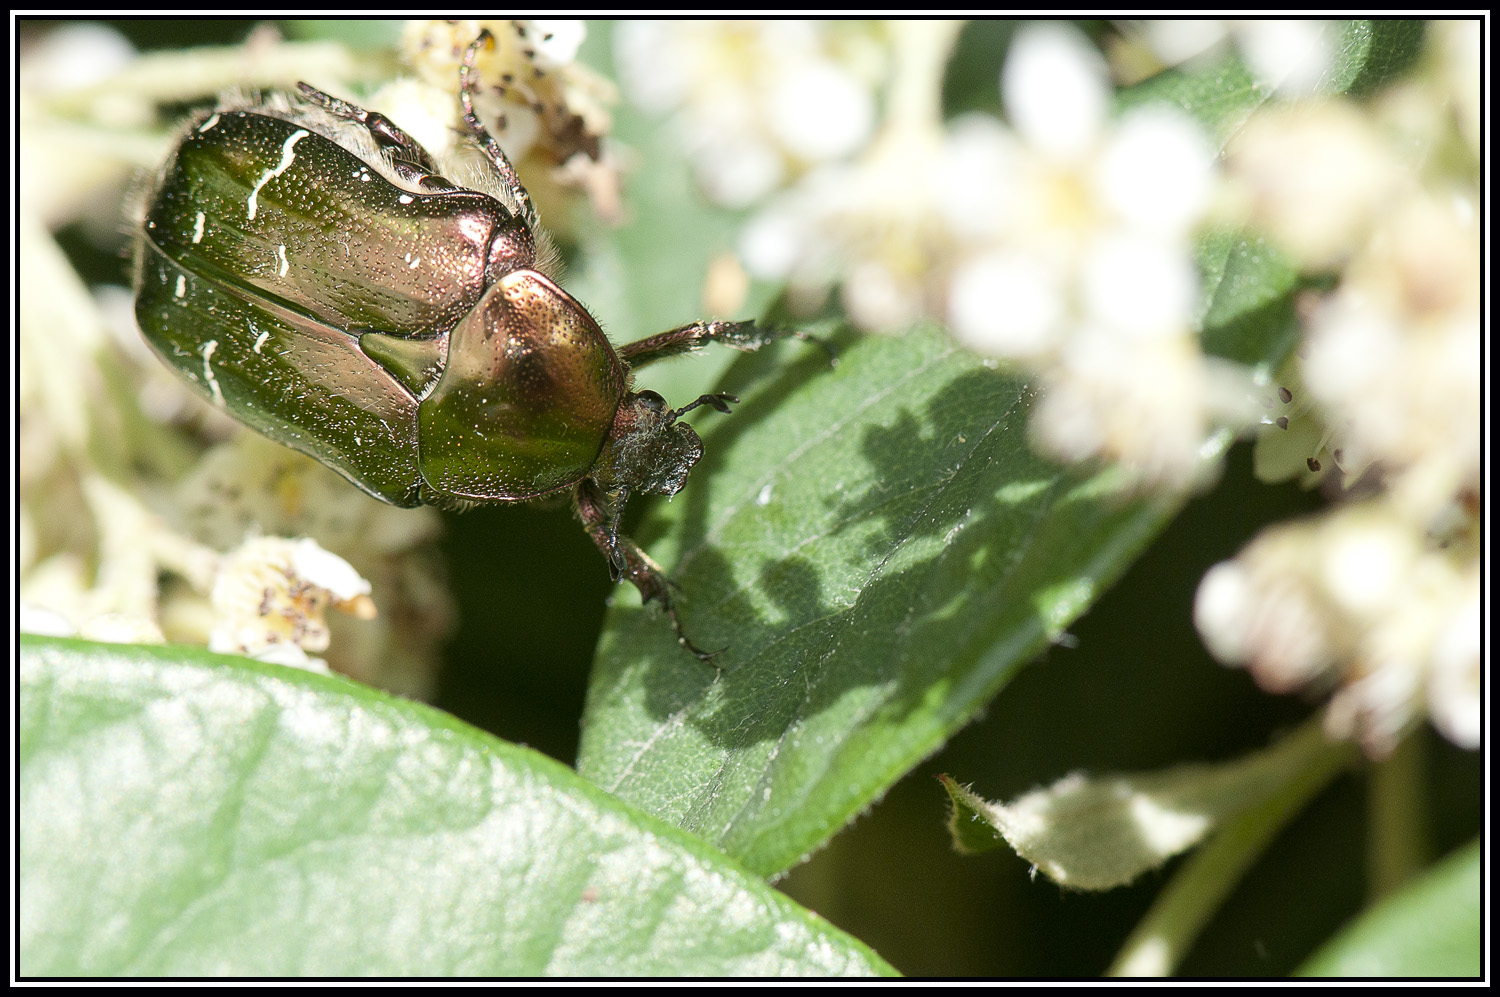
(365, 324)
(528, 396)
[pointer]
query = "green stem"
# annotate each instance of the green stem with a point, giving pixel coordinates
(1196, 891)
(1398, 846)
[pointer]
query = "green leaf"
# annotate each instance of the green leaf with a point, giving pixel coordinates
(1371, 54)
(878, 550)
(183, 813)
(1431, 928)
(1219, 96)
(969, 824)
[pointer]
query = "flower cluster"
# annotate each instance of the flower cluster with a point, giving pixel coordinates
(270, 596)
(757, 103)
(1354, 599)
(1063, 241)
(1381, 595)
(547, 110)
(143, 514)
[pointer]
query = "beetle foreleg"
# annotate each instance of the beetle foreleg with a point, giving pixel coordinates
(744, 336)
(719, 401)
(601, 520)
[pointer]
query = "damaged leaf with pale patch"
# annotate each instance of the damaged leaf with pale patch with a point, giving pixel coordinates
(1100, 832)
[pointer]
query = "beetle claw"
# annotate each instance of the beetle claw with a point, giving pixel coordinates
(706, 657)
(823, 344)
(686, 642)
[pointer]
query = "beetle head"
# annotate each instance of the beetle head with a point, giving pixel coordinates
(648, 449)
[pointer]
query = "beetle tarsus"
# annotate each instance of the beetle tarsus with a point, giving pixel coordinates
(600, 514)
(720, 401)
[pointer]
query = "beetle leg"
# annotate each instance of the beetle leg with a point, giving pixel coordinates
(627, 560)
(387, 134)
(507, 172)
(744, 336)
(616, 555)
(411, 162)
(719, 401)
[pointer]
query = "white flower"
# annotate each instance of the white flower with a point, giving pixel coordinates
(978, 189)
(1156, 172)
(755, 103)
(820, 112)
(1458, 46)
(1454, 684)
(1354, 599)
(1394, 356)
(1138, 402)
(1056, 90)
(1096, 285)
(1313, 176)
(555, 41)
(272, 592)
(539, 102)
(1140, 288)
(1007, 303)
(1291, 57)
(43, 621)
(119, 628)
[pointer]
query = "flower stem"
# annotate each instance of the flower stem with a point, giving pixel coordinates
(1190, 900)
(1398, 847)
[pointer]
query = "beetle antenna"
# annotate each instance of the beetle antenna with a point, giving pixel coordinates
(719, 401)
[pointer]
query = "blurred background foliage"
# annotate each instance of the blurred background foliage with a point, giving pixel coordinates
(1134, 688)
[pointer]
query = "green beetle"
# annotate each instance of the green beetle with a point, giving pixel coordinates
(304, 264)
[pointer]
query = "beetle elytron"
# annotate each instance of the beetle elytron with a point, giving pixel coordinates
(305, 265)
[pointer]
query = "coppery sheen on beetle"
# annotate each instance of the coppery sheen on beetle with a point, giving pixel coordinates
(304, 264)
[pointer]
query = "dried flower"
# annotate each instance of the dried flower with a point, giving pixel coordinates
(270, 596)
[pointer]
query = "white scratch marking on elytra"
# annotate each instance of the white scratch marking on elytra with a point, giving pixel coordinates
(213, 120)
(208, 371)
(281, 255)
(287, 156)
(198, 228)
(261, 340)
(181, 286)
(406, 199)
